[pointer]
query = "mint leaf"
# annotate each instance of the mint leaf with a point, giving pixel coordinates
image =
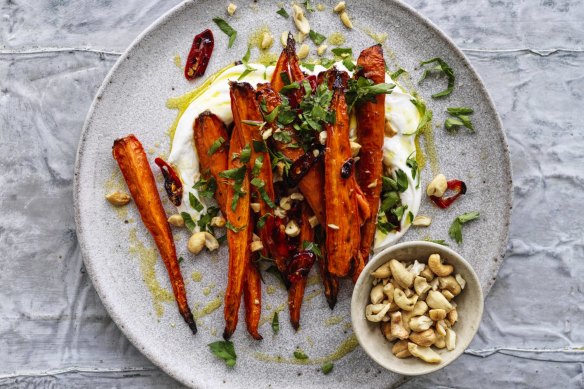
(227, 29)
(455, 231)
(225, 350)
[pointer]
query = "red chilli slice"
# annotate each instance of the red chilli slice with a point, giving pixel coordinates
(172, 182)
(199, 55)
(454, 185)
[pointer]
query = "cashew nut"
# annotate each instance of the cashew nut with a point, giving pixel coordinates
(437, 300)
(437, 267)
(440, 341)
(321, 49)
(313, 221)
(267, 41)
(425, 338)
(420, 308)
(397, 326)
(292, 229)
(297, 196)
(218, 221)
(176, 220)
(408, 292)
(286, 203)
(386, 331)
(416, 268)
(402, 301)
(303, 51)
(300, 20)
(382, 271)
(118, 198)
(449, 283)
(376, 294)
(322, 137)
(422, 221)
(256, 246)
(449, 296)
(355, 148)
(420, 323)
(426, 354)
(437, 187)
(404, 278)
(427, 274)
(441, 328)
(284, 38)
(437, 314)
(196, 242)
(255, 207)
(434, 284)
(340, 7)
(460, 281)
(421, 286)
(450, 339)
(400, 349)
(375, 312)
(388, 291)
(452, 316)
(345, 19)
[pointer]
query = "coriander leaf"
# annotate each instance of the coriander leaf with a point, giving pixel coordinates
(452, 123)
(289, 87)
(327, 63)
(227, 29)
(253, 123)
(390, 199)
(189, 223)
(413, 165)
(245, 58)
(272, 115)
(262, 220)
(389, 184)
(245, 154)
(399, 212)
(237, 173)
(257, 166)
(206, 188)
(460, 111)
(282, 136)
(309, 66)
(438, 241)
(349, 64)
(397, 73)
(275, 323)
(215, 146)
(224, 349)
(316, 37)
(311, 246)
(455, 231)
(205, 219)
(298, 354)
(245, 73)
(425, 115)
(342, 52)
(266, 198)
(402, 180)
(180, 259)
(259, 146)
(441, 67)
(363, 89)
(282, 12)
(308, 5)
(466, 122)
(195, 203)
(327, 368)
(234, 228)
(410, 217)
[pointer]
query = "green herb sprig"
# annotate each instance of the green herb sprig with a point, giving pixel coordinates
(455, 231)
(225, 350)
(227, 29)
(442, 68)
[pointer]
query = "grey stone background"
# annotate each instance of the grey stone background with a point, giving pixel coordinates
(54, 331)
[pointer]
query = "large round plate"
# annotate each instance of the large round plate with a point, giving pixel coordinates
(116, 246)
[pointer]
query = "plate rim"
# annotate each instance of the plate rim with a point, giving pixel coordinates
(135, 339)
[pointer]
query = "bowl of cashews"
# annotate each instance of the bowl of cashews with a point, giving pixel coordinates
(416, 307)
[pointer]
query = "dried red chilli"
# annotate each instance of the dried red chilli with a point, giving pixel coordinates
(454, 185)
(300, 265)
(199, 55)
(172, 182)
(303, 164)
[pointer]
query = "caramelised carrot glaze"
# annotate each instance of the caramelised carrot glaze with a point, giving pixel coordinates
(238, 240)
(370, 135)
(252, 295)
(341, 206)
(246, 110)
(208, 129)
(133, 163)
(296, 291)
(312, 183)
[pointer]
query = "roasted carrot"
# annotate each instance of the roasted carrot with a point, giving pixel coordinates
(370, 135)
(133, 163)
(342, 210)
(248, 119)
(296, 291)
(209, 131)
(252, 297)
(330, 282)
(238, 237)
(312, 183)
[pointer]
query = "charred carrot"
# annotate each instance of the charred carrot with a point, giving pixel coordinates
(330, 282)
(252, 298)
(298, 282)
(342, 237)
(133, 163)
(211, 142)
(370, 135)
(238, 233)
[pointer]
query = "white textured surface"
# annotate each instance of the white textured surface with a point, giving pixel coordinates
(53, 328)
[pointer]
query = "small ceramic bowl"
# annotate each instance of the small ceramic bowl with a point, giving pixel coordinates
(469, 307)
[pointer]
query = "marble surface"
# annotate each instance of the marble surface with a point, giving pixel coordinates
(54, 330)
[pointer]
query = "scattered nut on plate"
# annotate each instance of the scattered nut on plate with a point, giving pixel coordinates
(414, 304)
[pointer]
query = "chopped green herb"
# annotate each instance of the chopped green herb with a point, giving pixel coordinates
(327, 368)
(189, 223)
(316, 37)
(275, 323)
(397, 73)
(257, 166)
(389, 184)
(195, 203)
(227, 29)
(460, 111)
(308, 5)
(452, 123)
(311, 246)
(389, 200)
(455, 231)
(327, 63)
(413, 165)
(245, 73)
(224, 349)
(399, 212)
(298, 354)
(279, 157)
(234, 228)
(401, 180)
(289, 87)
(285, 78)
(245, 154)
(180, 259)
(438, 241)
(272, 115)
(343, 52)
(410, 217)
(237, 173)
(215, 146)
(425, 115)
(309, 66)
(205, 219)
(363, 89)
(282, 136)
(259, 146)
(282, 12)
(349, 64)
(262, 220)
(254, 123)
(441, 67)
(206, 188)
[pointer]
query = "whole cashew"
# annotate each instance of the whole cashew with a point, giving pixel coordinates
(402, 301)
(388, 291)
(402, 276)
(382, 271)
(397, 327)
(376, 294)
(449, 283)
(437, 300)
(420, 308)
(375, 312)
(435, 264)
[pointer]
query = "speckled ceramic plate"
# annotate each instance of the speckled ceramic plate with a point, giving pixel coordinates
(126, 270)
